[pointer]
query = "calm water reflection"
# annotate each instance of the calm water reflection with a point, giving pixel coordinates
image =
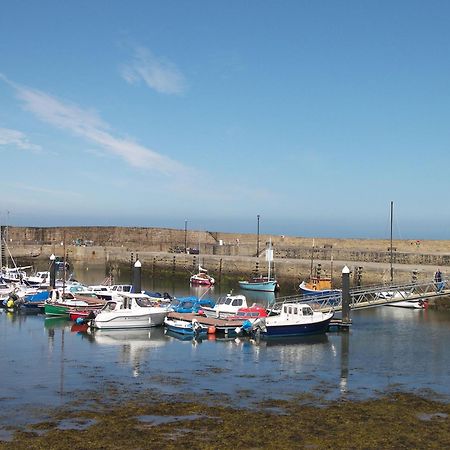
(47, 362)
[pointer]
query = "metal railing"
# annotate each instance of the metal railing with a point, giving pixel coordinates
(367, 297)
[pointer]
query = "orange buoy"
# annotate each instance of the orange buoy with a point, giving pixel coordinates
(212, 329)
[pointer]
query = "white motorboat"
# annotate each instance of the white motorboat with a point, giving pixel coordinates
(400, 300)
(226, 306)
(129, 310)
(40, 279)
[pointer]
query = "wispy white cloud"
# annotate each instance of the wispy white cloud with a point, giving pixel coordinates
(17, 139)
(161, 75)
(88, 125)
(51, 192)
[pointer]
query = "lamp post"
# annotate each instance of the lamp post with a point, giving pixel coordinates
(185, 235)
(52, 271)
(257, 239)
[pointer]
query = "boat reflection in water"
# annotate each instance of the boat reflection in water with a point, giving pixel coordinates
(201, 291)
(288, 342)
(56, 322)
(262, 298)
(133, 343)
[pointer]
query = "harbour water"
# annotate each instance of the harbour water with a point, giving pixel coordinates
(47, 363)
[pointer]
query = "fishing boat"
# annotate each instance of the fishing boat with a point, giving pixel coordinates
(260, 283)
(294, 319)
(226, 306)
(202, 278)
(318, 286)
(63, 303)
(130, 310)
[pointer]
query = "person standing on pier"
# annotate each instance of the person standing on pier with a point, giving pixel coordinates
(438, 280)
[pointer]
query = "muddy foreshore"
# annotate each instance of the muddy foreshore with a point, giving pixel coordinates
(114, 420)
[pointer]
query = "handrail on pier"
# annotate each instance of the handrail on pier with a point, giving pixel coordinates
(367, 297)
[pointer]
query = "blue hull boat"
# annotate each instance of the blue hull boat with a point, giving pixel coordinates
(254, 285)
(294, 319)
(298, 330)
(184, 327)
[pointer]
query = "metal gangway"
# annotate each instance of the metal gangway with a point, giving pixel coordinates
(369, 296)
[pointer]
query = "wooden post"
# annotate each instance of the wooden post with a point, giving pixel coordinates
(345, 295)
(52, 271)
(137, 276)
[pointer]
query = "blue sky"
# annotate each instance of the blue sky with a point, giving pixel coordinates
(312, 114)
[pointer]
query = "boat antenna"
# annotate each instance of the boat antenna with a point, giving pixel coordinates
(391, 256)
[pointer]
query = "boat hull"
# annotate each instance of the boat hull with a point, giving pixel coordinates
(266, 286)
(183, 327)
(409, 304)
(197, 282)
(56, 310)
(318, 293)
(282, 326)
(144, 320)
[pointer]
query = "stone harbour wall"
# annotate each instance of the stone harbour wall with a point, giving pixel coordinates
(229, 253)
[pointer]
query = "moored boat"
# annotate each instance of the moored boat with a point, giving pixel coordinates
(193, 328)
(318, 287)
(130, 311)
(259, 284)
(202, 278)
(190, 304)
(294, 319)
(226, 306)
(250, 313)
(62, 303)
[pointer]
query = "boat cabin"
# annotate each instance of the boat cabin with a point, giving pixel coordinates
(121, 288)
(233, 300)
(132, 301)
(251, 313)
(296, 310)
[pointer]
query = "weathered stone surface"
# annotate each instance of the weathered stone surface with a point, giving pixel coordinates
(232, 253)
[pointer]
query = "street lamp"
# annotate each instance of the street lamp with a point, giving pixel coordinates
(185, 235)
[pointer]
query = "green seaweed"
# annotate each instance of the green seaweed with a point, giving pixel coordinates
(391, 421)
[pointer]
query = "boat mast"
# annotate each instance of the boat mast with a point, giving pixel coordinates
(64, 259)
(312, 260)
(391, 258)
(257, 237)
(269, 257)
